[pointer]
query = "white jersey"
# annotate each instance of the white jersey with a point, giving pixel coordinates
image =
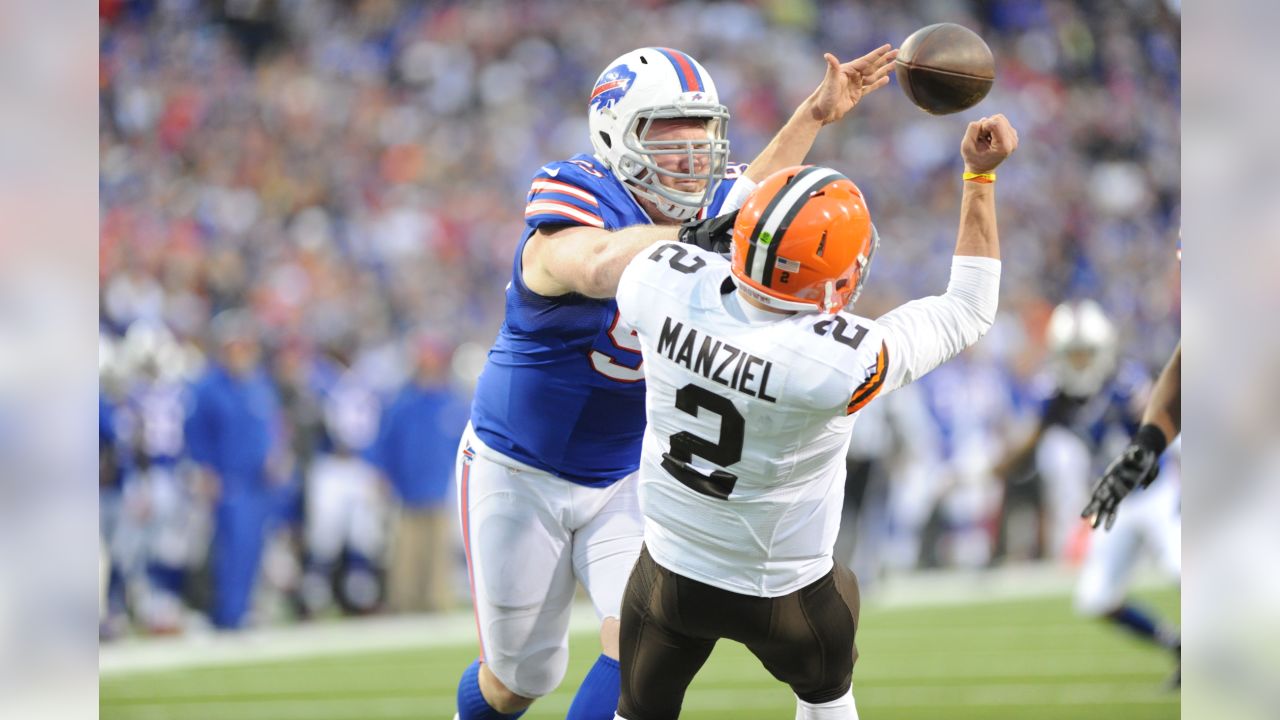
(749, 419)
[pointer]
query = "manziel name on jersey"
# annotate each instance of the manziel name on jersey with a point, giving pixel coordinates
(715, 359)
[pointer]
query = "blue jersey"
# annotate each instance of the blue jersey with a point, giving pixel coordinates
(563, 388)
(1111, 415)
(232, 426)
(352, 412)
(417, 442)
(155, 411)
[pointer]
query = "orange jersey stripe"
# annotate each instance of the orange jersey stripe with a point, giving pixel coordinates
(871, 386)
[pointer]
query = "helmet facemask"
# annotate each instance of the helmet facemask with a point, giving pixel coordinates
(864, 268)
(639, 166)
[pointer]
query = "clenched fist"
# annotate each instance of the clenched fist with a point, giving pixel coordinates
(987, 142)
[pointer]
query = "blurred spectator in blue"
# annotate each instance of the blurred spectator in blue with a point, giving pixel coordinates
(419, 439)
(233, 430)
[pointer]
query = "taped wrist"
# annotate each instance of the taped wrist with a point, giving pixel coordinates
(1150, 437)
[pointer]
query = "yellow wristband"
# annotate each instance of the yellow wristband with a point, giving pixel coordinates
(985, 178)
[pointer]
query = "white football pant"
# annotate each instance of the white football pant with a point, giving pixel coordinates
(529, 536)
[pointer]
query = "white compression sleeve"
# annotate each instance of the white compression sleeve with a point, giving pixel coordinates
(924, 333)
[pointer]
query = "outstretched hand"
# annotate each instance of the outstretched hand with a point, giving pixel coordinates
(845, 84)
(987, 142)
(1136, 467)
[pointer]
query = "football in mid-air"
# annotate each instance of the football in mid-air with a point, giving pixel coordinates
(945, 68)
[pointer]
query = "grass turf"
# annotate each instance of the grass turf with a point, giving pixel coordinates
(995, 661)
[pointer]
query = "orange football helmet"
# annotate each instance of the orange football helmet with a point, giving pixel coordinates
(804, 240)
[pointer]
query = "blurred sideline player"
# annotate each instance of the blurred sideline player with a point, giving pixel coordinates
(233, 432)
(151, 425)
(1087, 399)
(418, 439)
(345, 502)
(1095, 404)
(756, 375)
(545, 469)
(1137, 467)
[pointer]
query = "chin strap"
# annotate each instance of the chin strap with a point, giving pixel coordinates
(829, 296)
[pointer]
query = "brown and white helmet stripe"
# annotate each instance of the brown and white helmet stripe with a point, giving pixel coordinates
(762, 247)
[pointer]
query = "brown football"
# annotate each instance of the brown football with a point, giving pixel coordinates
(945, 68)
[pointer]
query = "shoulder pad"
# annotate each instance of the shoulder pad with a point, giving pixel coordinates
(565, 193)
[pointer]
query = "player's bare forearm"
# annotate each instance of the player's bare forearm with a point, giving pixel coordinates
(587, 261)
(978, 236)
(1165, 409)
(986, 144)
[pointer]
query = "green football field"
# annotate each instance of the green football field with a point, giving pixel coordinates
(1024, 659)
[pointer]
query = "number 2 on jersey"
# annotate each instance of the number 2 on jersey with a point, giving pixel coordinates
(724, 452)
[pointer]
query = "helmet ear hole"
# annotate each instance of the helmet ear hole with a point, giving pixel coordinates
(604, 136)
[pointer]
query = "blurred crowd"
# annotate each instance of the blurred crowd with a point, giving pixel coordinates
(308, 211)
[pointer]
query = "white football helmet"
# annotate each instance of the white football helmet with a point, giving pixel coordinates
(151, 352)
(1083, 342)
(653, 84)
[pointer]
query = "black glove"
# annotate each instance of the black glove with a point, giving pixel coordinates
(1136, 466)
(714, 234)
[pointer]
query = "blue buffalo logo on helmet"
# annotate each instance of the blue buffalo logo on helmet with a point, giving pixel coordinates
(612, 86)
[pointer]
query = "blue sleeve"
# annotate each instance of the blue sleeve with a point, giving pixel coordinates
(562, 193)
(199, 427)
